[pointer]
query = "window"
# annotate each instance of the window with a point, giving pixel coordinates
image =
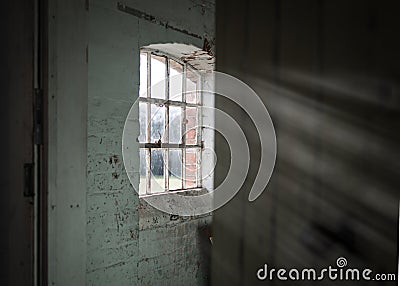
(170, 114)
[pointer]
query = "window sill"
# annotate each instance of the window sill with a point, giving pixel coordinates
(186, 192)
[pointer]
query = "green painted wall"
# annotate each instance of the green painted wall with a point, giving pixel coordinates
(125, 246)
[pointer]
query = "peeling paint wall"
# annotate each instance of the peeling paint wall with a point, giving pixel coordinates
(172, 250)
(125, 246)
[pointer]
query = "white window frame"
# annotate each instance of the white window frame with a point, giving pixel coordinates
(166, 146)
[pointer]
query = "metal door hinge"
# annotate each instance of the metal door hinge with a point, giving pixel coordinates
(38, 117)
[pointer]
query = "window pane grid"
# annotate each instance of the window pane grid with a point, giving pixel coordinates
(157, 153)
(159, 173)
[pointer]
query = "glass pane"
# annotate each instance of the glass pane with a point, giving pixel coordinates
(191, 168)
(176, 79)
(192, 85)
(191, 123)
(158, 69)
(142, 121)
(142, 177)
(143, 75)
(157, 171)
(157, 120)
(175, 169)
(175, 124)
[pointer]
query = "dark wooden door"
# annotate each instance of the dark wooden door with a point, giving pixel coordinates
(16, 209)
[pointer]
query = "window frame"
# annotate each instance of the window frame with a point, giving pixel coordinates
(148, 146)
